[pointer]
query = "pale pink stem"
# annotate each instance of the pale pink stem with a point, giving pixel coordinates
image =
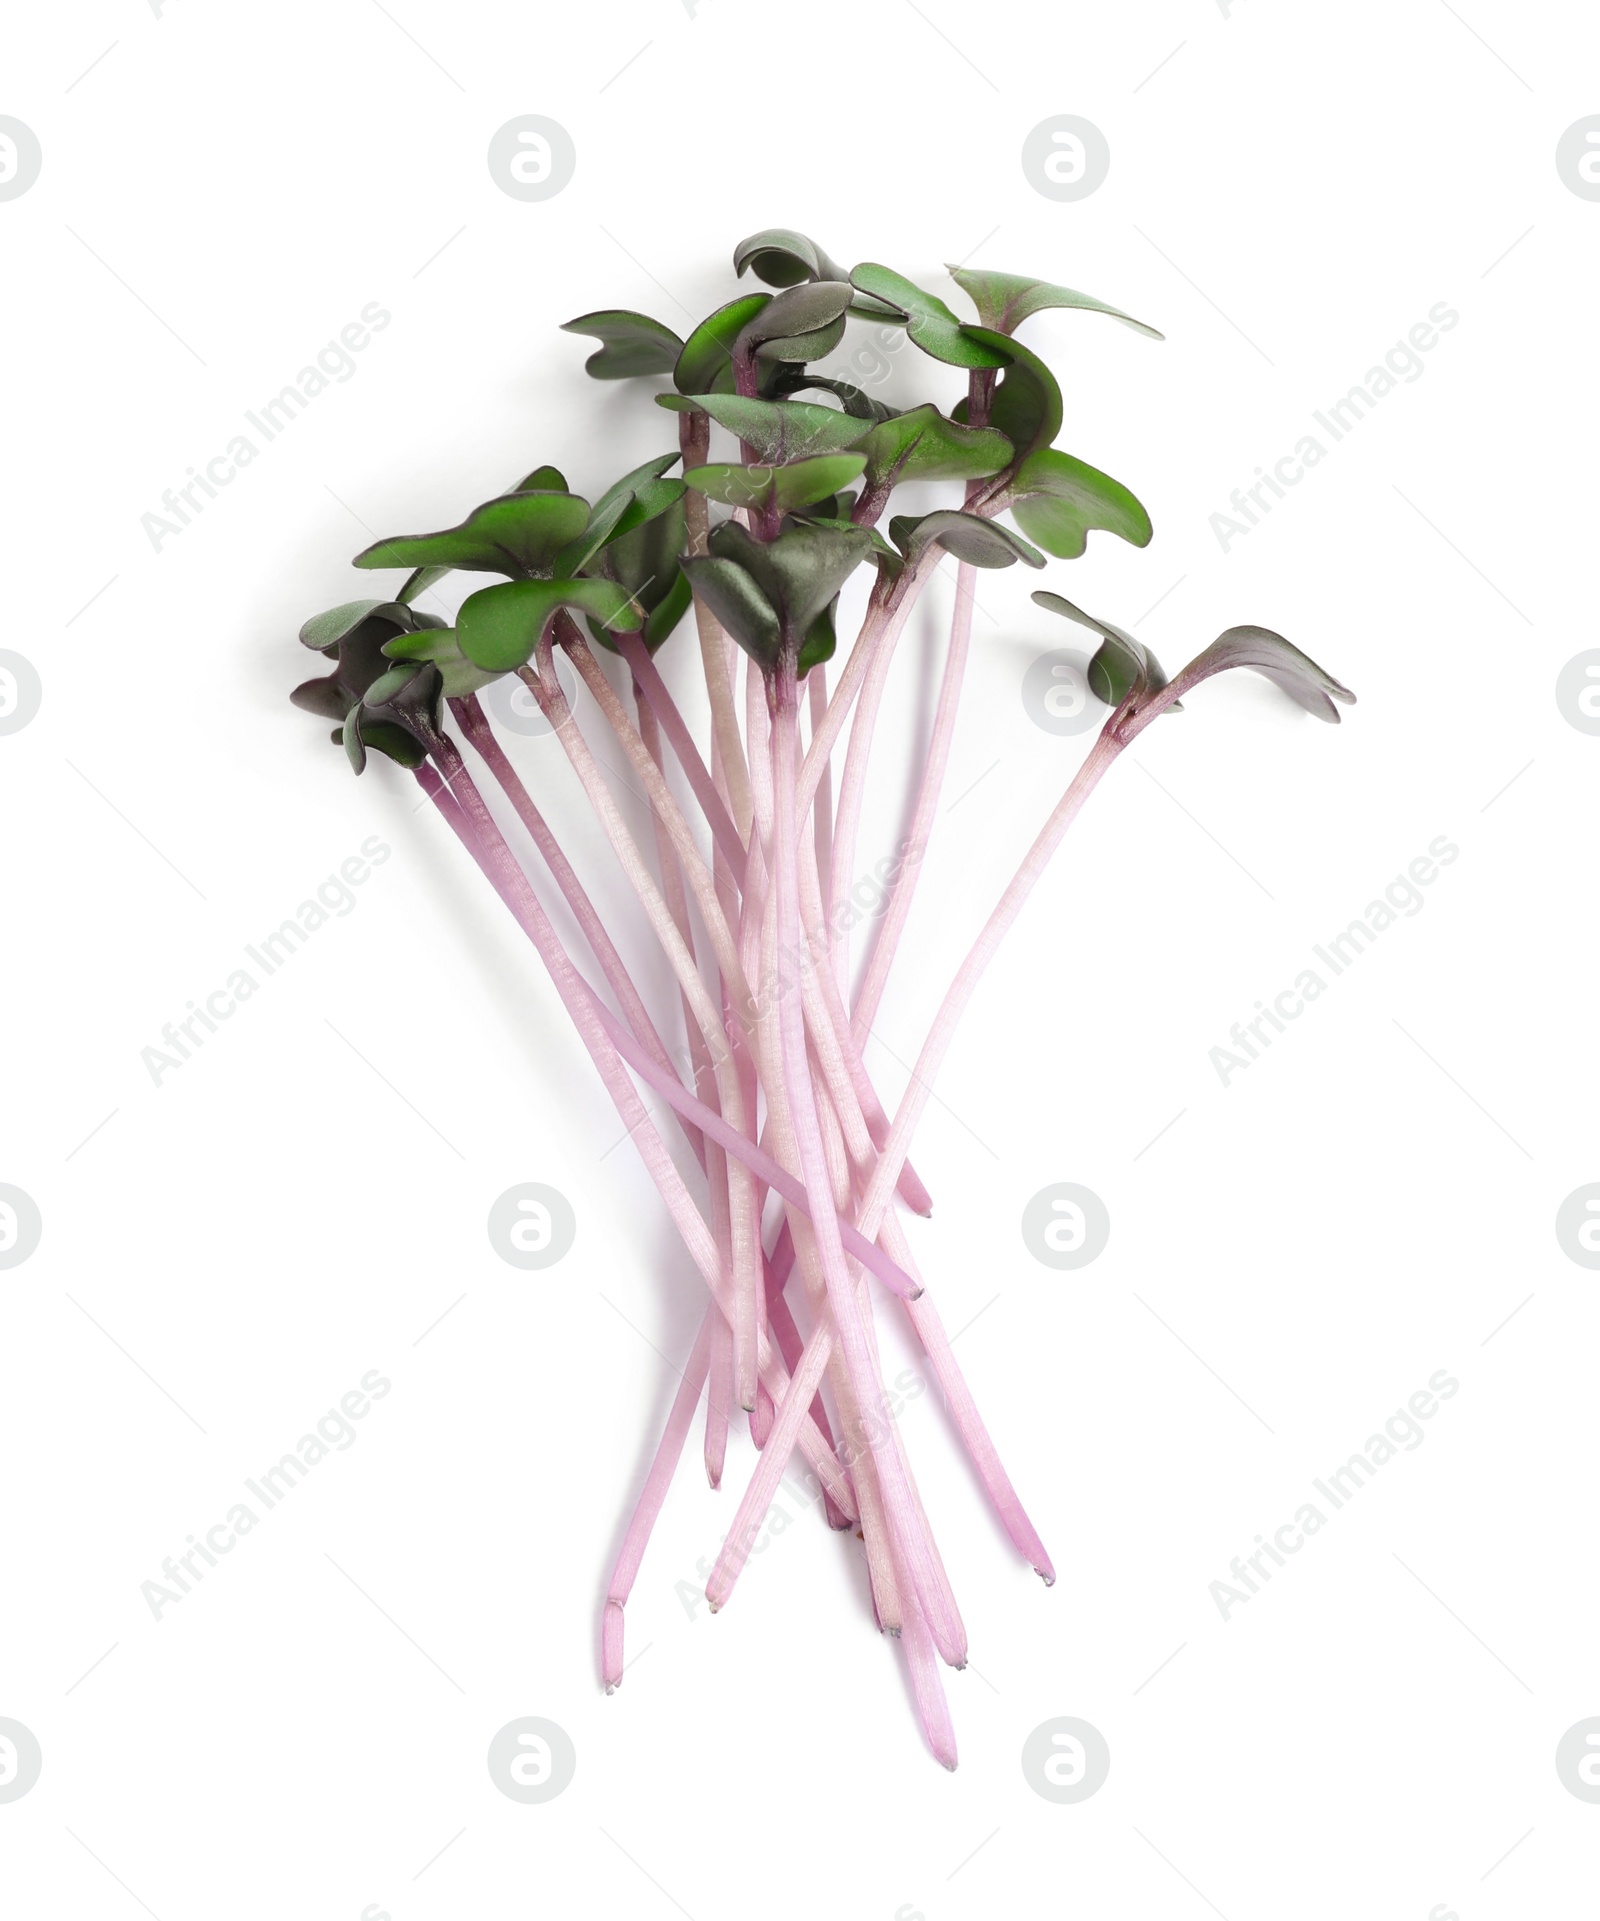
(665, 1081)
(891, 1238)
(553, 703)
(716, 649)
(907, 1531)
(927, 1687)
(762, 1415)
(647, 677)
(884, 618)
(591, 1020)
(904, 885)
(852, 793)
(718, 1397)
(881, 1187)
(721, 1367)
(651, 1498)
(822, 806)
(475, 725)
(787, 1336)
(826, 1016)
(774, 1458)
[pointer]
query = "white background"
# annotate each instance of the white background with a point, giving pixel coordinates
(225, 1254)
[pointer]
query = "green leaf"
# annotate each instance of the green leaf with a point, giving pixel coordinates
(820, 640)
(396, 742)
(442, 647)
(389, 686)
(1005, 300)
(644, 562)
(1059, 499)
(776, 431)
(1122, 666)
(1027, 403)
(668, 611)
(930, 323)
(324, 631)
(979, 542)
(633, 344)
(617, 516)
(738, 604)
(1308, 685)
(924, 445)
(783, 258)
(323, 697)
(791, 379)
(801, 323)
(518, 534)
(879, 549)
(783, 488)
(632, 482)
(706, 364)
(419, 582)
(499, 627)
(543, 480)
(799, 572)
(354, 747)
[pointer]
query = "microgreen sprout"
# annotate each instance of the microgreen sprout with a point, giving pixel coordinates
(794, 1161)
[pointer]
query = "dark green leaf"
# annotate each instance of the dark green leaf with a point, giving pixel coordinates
(979, 542)
(518, 534)
(354, 749)
(632, 482)
(391, 685)
(820, 640)
(499, 627)
(801, 323)
(1005, 300)
(323, 631)
(784, 488)
(323, 697)
(633, 344)
(706, 364)
(1122, 666)
(783, 258)
(1027, 403)
(1307, 684)
(1058, 499)
(924, 445)
(739, 605)
(789, 379)
(930, 323)
(443, 649)
(775, 431)
(800, 571)
(419, 582)
(396, 742)
(668, 611)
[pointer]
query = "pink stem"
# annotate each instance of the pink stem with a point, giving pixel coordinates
(475, 725)
(651, 1497)
(906, 1527)
(591, 1020)
(904, 886)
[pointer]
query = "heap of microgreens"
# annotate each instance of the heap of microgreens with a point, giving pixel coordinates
(748, 901)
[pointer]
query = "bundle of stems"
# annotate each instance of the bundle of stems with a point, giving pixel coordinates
(791, 1175)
